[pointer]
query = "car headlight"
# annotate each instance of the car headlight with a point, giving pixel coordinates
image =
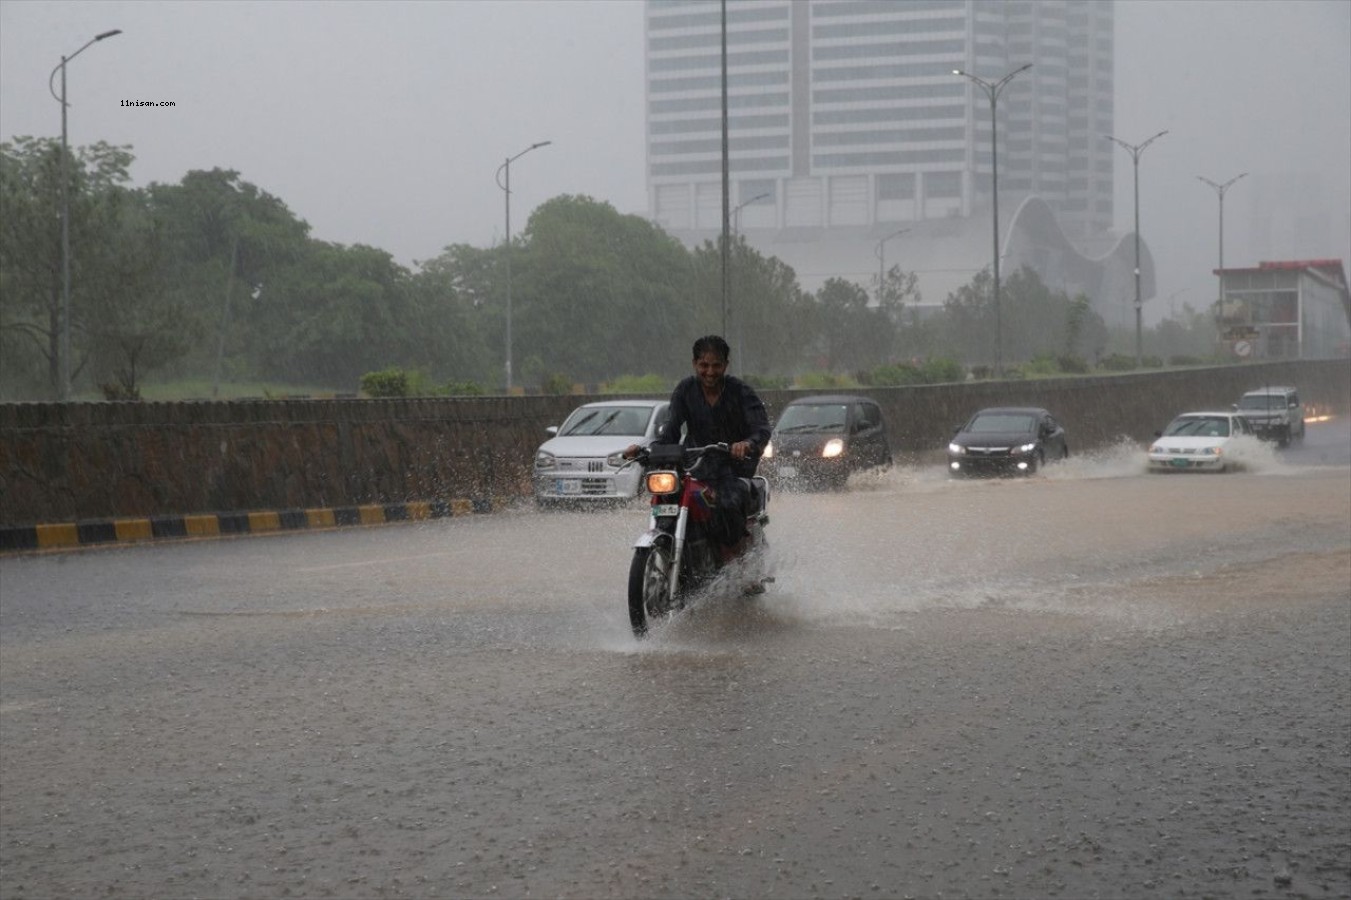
(833, 448)
(769, 451)
(956, 449)
(545, 460)
(1155, 448)
(1212, 451)
(1025, 448)
(615, 460)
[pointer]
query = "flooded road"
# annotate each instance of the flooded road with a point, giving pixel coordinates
(1090, 683)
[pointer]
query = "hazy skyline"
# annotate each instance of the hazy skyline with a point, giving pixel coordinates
(385, 123)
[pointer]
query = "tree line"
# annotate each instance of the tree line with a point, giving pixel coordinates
(213, 281)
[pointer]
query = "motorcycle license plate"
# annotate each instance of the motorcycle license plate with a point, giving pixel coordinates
(665, 509)
(568, 485)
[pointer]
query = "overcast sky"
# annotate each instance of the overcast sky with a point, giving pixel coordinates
(384, 123)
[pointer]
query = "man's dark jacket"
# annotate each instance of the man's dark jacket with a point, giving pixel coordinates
(739, 415)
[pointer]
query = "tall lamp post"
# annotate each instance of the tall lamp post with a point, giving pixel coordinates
(505, 185)
(736, 213)
(1219, 191)
(992, 91)
(736, 231)
(881, 261)
(64, 386)
(1135, 150)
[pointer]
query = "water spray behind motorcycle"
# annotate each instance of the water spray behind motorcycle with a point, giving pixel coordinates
(680, 553)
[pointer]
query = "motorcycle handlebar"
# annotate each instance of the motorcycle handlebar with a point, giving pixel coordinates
(644, 453)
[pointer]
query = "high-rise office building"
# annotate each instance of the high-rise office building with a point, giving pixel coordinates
(847, 124)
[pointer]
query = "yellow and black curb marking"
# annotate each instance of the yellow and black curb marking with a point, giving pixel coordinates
(107, 531)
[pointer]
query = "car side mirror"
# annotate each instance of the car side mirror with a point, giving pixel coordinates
(552, 429)
(1234, 407)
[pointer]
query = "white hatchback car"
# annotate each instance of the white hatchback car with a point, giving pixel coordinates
(1201, 441)
(583, 462)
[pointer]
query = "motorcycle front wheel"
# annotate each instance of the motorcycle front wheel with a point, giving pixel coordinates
(649, 580)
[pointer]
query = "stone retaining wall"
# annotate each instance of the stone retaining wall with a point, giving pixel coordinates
(84, 461)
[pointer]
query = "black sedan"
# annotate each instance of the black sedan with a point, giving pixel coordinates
(1006, 440)
(820, 441)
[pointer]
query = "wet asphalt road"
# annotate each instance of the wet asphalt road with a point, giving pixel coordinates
(1092, 683)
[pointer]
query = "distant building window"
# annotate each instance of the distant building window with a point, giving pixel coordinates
(896, 186)
(943, 184)
(759, 190)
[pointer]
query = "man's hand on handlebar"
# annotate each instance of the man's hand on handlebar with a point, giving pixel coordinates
(740, 450)
(631, 451)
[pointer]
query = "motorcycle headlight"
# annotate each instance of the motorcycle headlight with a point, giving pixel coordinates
(956, 449)
(769, 451)
(662, 482)
(545, 460)
(834, 447)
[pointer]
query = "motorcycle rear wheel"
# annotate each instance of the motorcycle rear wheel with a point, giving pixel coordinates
(649, 580)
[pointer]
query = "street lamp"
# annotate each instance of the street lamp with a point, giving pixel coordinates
(736, 213)
(1135, 150)
(992, 91)
(1219, 191)
(505, 185)
(64, 387)
(881, 263)
(736, 231)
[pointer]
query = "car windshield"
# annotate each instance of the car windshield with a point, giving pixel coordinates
(990, 423)
(804, 417)
(593, 420)
(1261, 401)
(1198, 426)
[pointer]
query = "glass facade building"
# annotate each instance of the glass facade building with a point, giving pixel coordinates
(846, 114)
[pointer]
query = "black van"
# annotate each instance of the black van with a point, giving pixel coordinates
(819, 441)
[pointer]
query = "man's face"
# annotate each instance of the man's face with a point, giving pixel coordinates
(709, 369)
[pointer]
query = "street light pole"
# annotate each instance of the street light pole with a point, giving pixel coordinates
(881, 262)
(1219, 191)
(64, 385)
(992, 91)
(736, 232)
(736, 213)
(1135, 150)
(505, 185)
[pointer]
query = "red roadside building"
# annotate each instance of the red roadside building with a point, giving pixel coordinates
(1287, 309)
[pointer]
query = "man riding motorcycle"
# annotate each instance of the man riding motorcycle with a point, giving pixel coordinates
(715, 407)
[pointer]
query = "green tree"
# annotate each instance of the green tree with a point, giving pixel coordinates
(1032, 321)
(136, 321)
(228, 244)
(31, 256)
(771, 318)
(853, 335)
(460, 324)
(337, 313)
(582, 275)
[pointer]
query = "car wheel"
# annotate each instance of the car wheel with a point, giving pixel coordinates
(1038, 460)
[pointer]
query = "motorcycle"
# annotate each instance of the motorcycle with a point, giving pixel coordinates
(678, 554)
